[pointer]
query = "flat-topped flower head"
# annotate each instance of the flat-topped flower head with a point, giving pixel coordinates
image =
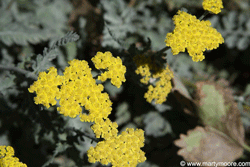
(7, 158)
(46, 87)
(163, 86)
(194, 35)
(122, 150)
(77, 88)
(74, 90)
(115, 70)
(213, 6)
(105, 128)
(80, 90)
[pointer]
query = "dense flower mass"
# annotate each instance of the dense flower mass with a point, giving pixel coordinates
(80, 89)
(194, 35)
(115, 69)
(46, 87)
(105, 128)
(214, 6)
(122, 150)
(7, 159)
(144, 65)
(163, 86)
(76, 89)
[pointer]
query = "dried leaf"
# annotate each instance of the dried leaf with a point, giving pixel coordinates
(223, 136)
(182, 95)
(207, 145)
(178, 86)
(211, 105)
(218, 109)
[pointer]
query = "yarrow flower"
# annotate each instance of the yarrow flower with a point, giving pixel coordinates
(194, 35)
(105, 128)
(80, 89)
(77, 88)
(115, 69)
(163, 86)
(7, 159)
(46, 87)
(122, 150)
(214, 6)
(144, 65)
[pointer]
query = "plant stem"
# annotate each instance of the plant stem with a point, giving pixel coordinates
(163, 49)
(204, 15)
(246, 147)
(19, 70)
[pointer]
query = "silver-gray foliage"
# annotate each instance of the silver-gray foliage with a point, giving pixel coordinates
(118, 17)
(46, 21)
(43, 62)
(235, 29)
(124, 24)
(156, 125)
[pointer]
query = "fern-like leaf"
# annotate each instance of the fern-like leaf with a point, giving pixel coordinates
(235, 28)
(43, 62)
(125, 24)
(14, 33)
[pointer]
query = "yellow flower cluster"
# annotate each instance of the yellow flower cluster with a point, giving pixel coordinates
(115, 69)
(80, 89)
(46, 87)
(144, 65)
(105, 128)
(193, 34)
(119, 150)
(163, 86)
(77, 88)
(7, 159)
(123, 150)
(214, 6)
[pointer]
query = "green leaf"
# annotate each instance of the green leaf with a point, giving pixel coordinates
(112, 90)
(71, 50)
(206, 145)
(212, 107)
(60, 148)
(156, 125)
(247, 90)
(7, 82)
(123, 115)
